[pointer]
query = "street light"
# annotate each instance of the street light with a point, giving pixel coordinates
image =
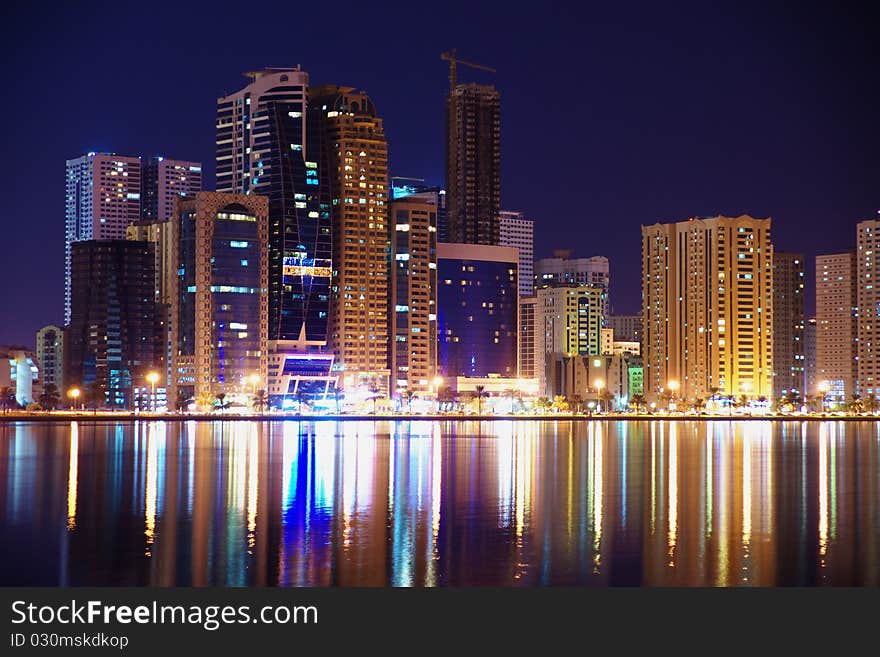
(152, 377)
(438, 381)
(599, 385)
(74, 393)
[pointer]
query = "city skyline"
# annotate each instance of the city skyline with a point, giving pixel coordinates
(773, 143)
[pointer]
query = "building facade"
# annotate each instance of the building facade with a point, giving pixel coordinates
(868, 304)
(516, 230)
(269, 143)
(219, 309)
(163, 180)
(788, 325)
(811, 365)
(416, 189)
(50, 356)
(627, 328)
(414, 296)
(113, 340)
(836, 325)
(355, 159)
(707, 293)
(103, 196)
(568, 321)
(477, 313)
(20, 372)
(473, 163)
(528, 307)
(562, 269)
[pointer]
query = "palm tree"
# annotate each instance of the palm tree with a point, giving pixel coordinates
(374, 394)
(742, 402)
(221, 396)
(480, 393)
(182, 401)
(855, 405)
(543, 403)
(300, 396)
(7, 398)
(606, 396)
(49, 398)
(407, 396)
(638, 401)
(576, 402)
(560, 403)
(337, 395)
(205, 400)
(260, 399)
(871, 403)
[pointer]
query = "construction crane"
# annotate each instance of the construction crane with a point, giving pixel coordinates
(453, 61)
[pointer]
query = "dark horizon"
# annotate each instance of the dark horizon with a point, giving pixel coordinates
(610, 118)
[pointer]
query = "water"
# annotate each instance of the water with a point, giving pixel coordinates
(460, 503)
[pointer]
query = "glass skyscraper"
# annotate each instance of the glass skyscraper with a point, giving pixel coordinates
(269, 143)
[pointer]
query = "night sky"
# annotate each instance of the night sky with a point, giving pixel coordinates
(613, 114)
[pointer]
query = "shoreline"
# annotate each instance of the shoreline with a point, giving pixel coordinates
(87, 416)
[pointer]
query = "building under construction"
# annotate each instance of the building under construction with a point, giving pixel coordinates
(473, 158)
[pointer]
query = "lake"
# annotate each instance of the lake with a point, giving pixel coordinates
(440, 503)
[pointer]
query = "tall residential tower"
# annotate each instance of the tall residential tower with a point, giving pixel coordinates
(707, 294)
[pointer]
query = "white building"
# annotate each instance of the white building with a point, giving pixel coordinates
(516, 230)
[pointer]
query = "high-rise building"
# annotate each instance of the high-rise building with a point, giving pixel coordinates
(355, 162)
(516, 230)
(103, 196)
(414, 296)
(416, 189)
(477, 298)
(473, 163)
(707, 294)
(836, 325)
(162, 180)
(106, 193)
(527, 337)
(627, 328)
(113, 339)
(219, 308)
(50, 356)
(562, 269)
(788, 324)
(269, 143)
(811, 368)
(568, 321)
(868, 304)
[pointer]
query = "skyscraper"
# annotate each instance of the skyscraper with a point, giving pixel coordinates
(516, 230)
(416, 189)
(477, 293)
(269, 143)
(112, 341)
(219, 308)
(527, 337)
(707, 294)
(162, 180)
(355, 162)
(414, 282)
(836, 325)
(106, 193)
(788, 324)
(562, 269)
(868, 304)
(473, 163)
(103, 193)
(50, 356)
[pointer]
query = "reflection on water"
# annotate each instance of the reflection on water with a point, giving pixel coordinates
(431, 504)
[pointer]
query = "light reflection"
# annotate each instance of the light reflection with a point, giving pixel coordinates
(672, 534)
(72, 476)
(499, 503)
